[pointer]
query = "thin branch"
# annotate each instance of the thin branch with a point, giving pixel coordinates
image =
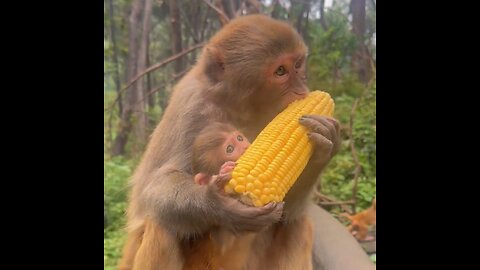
(204, 23)
(358, 167)
(374, 70)
(329, 201)
(223, 17)
(174, 77)
(110, 132)
(189, 25)
(180, 74)
(337, 203)
(156, 66)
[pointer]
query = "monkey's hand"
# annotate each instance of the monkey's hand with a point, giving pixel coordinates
(226, 169)
(224, 175)
(239, 217)
(325, 134)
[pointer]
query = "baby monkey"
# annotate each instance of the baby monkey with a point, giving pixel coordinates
(215, 151)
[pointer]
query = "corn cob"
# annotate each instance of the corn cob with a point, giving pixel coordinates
(276, 158)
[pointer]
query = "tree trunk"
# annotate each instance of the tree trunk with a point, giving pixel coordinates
(296, 15)
(304, 19)
(125, 124)
(253, 6)
(176, 35)
(116, 75)
(323, 22)
(360, 61)
(275, 9)
(150, 97)
(228, 8)
(140, 116)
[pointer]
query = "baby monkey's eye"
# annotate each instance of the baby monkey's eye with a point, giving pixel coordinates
(239, 138)
(230, 149)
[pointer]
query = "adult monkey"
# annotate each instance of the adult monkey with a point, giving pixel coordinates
(248, 72)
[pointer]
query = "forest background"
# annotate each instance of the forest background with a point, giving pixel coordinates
(149, 45)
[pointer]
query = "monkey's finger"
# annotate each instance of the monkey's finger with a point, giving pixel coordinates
(226, 169)
(271, 212)
(253, 212)
(272, 207)
(229, 164)
(330, 123)
(222, 179)
(322, 144)
(334, 121)
(256, 218)
(316, 127)
(337, 142)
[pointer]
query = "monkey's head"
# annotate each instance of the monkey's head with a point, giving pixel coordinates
(216, 144)
(256, 64)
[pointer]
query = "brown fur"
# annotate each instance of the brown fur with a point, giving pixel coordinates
(360, 222)
(221, 249)
(233, 82)
(205, 157)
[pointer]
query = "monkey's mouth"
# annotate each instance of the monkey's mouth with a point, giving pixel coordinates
(302, 94)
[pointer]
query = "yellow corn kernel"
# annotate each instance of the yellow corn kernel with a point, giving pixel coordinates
(278, 155)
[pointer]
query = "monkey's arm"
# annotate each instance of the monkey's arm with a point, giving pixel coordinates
(334, 248)
(325, 134)
(186, 208)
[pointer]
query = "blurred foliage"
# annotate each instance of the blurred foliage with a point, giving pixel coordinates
(373, 257)
(330, 55)
(116, 174)
(337, 179)
(329, 69)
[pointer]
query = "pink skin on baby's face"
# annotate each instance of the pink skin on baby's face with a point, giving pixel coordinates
(234, 146)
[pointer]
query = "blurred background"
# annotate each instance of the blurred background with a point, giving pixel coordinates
(150, 44)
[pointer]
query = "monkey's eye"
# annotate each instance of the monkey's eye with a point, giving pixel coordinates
(299, 63)
(280, 71)
(239, 138)
(230, 149)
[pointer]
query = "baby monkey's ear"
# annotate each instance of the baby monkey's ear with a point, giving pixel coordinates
(202, 178)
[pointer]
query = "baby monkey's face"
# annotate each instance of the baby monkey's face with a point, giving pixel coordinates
(234, 146)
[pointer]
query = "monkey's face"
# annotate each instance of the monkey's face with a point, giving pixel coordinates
(234, 146)
(287, 81)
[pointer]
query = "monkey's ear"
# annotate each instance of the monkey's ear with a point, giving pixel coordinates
(215, 64)
(201, 178)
